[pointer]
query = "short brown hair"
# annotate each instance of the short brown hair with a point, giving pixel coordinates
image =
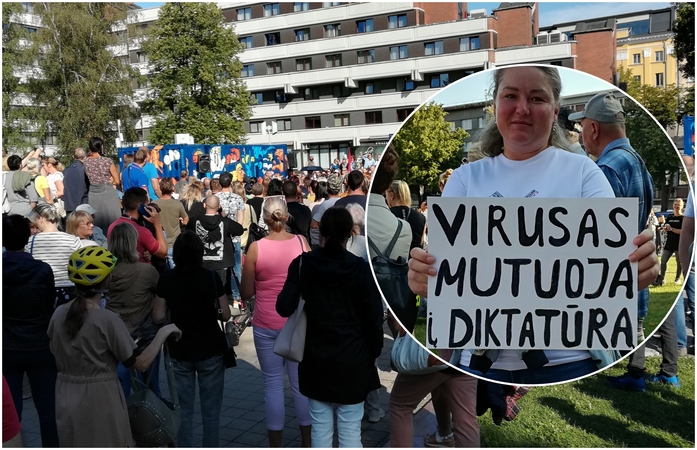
(141, 155)
(167, 185)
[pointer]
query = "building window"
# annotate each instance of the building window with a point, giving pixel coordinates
(301, 6)
(313, 122)
(466, 124)
(373, 117)
(273, 38)
(659, 56)
(282, 97)
(283, 125)
(398, 52)
(339, 90)
(659, 79)
(256, 127)
(333, 60)
(311, 93)
(440, 80)
(302, 35)
(397, 21)
(637, 78)
(636, 58)
(621, 56)
(246, 42)
(332, 30)
(341, 120)
(248, 71)
(365, 26)
(433, 48)
(480, 122)
(259, 97)
(272, 9)
(27, 8)
(369, 88)
(405, 84)
(303, 64)
(142, 57)
(330, 4)
(469, 43)
(273, 67)
(366, 56)
(402, 114)
(244, 13)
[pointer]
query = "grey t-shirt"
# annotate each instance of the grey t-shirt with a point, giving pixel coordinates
(20, 201)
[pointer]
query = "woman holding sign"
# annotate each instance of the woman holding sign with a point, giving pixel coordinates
(524, 158)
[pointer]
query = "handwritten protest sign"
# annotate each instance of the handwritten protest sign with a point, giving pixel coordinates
(529, 273)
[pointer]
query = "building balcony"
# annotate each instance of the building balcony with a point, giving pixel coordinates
(534, 54)
(354, 134)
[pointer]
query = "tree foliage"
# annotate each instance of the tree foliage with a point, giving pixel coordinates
(195, 76)
(79, 87)
(427, 147)
(684, 39)
(13, 123)
(662, 102)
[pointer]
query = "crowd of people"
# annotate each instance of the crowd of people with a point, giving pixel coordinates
(101, 268)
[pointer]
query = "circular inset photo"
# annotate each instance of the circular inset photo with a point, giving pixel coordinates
(539, 209)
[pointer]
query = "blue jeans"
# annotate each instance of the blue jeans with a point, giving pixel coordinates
(690, 291)
(680, 326)
(124, 375)
(273, 368)
(170, 259)
(211, 380)
(238, 271)
(348, 424)
(40, 367)
(543, 375)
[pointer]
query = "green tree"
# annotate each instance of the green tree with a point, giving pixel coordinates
(684, 39)
(662, 102)
(195, 76)
(14, 64)
(81, 88)
(427, 147)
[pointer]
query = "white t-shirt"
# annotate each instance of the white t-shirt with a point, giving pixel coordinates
(52, 178)
(552, 173)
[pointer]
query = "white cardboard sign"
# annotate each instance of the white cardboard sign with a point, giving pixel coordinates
(529, 273)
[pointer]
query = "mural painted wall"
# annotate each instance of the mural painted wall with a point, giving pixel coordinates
(242, 161)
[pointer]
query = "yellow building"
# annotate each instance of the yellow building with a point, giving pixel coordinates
(649, 57)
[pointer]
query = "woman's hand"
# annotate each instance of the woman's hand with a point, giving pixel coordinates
(646, 256)
(419, 271)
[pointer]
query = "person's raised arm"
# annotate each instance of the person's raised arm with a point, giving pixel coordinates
(159, 234)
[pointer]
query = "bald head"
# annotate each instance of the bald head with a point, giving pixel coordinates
(212, 204)
(79, 154)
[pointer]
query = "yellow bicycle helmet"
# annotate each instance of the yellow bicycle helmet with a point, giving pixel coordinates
(90, 265)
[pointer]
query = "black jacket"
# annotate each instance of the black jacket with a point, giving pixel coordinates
(28, 295)
(216, 232)
(76, 186)
(344, 325)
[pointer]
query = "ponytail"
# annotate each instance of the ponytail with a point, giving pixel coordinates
(77, 314)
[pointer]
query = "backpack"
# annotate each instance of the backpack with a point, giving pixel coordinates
(391, 275)
(256, 232)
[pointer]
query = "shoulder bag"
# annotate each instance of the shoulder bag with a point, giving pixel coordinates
(409, 357)
(229, 334)
(290, 342)
(154, 422)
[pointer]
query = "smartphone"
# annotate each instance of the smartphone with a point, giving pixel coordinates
(142, 211)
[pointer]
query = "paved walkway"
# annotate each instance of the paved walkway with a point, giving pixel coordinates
(242, 419)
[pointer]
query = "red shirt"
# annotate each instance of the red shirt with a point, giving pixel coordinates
(10, 420)
(146, 241)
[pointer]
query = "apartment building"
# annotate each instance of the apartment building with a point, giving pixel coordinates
(331, 78)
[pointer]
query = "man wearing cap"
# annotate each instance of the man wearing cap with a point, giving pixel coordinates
(75, 182)
(334, 189)
(98, 235)
(604, 137)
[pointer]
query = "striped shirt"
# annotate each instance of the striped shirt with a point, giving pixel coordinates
(54, 248)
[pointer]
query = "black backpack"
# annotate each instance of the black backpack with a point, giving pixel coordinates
(392, 279)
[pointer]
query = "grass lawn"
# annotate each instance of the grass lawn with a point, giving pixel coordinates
(591, 413)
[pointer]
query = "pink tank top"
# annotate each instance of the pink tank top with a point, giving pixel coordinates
(273, 259)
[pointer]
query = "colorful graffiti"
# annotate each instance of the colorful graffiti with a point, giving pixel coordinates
(242, 161)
